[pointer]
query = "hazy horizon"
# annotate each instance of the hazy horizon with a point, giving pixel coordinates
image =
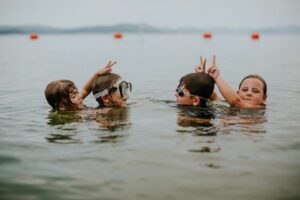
(163, 14)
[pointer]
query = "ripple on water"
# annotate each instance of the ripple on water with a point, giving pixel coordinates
(109, 138)
(206, 149)
(8, 160)
(63, 139)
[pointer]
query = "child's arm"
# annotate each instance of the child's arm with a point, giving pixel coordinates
(201, 69)
(214, 96)
(88, 86)
(227, 92)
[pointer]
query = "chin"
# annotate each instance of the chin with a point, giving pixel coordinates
(80, 107)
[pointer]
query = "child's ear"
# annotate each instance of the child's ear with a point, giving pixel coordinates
(61, 106)
(196, 101)
(265, 97)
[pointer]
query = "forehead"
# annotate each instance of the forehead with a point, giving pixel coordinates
(183, 87)
(73, 89)
(252, 82)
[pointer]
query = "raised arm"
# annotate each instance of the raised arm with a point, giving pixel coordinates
(201, 69)
(88, 86)
(227, 92)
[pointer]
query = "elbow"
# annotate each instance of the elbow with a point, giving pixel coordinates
(236, 102)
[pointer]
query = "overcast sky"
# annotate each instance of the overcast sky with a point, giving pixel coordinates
(161, 13)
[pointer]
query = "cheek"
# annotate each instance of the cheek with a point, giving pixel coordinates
(260, 97)
(179, 99)
(183, 101)
(77, 100)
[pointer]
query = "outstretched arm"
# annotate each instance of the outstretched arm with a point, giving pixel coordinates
(201, 69)
(227, 92)
(88, 86)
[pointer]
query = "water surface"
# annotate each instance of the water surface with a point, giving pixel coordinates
(146, 150)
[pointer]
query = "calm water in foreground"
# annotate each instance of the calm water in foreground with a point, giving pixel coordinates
(146, 151)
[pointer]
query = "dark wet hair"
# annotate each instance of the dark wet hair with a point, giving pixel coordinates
(257, 77)
(58, 93)
(103, 82)
(199, 84)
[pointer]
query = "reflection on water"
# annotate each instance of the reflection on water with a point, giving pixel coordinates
(61, 118)
(195, 120)
(219, 119)
(62, 138)
(110, 122)
(248, 122)
(109, 138)
(65, 125)
(206, 149)
(114, 119)
(209, 121)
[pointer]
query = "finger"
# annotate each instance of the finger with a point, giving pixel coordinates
(201, 60)
(214, 60)
(208, 71)
(113, 63)
(107, 65)
(204, 64)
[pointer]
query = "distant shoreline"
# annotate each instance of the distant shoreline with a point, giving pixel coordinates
(141, 28)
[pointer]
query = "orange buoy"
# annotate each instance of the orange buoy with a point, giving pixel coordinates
(207, 35)
(34, 36)
(255, 36)
(118, 35)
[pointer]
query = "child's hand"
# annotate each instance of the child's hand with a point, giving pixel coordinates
(213, 71)
(201, 67)
(107, 69)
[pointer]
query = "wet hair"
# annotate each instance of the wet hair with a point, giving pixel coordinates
(58, 93)
(257, 77)
(199, 84)
(103, 82)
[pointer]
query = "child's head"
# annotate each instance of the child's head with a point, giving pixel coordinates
(111, 91)
(194, 89)
(253, 89)
(63, 95)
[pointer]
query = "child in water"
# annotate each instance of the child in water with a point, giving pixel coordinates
(194, 89)
(192, 94)
(111, 93)
(110, 90)
(63, 95)
(252, 91)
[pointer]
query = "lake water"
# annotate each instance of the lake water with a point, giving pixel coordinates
(144, 151)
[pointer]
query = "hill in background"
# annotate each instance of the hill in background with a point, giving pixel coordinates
(140, 28)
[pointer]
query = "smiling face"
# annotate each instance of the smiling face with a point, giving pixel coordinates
(76, 99)
(252, 91)
(63, 95)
